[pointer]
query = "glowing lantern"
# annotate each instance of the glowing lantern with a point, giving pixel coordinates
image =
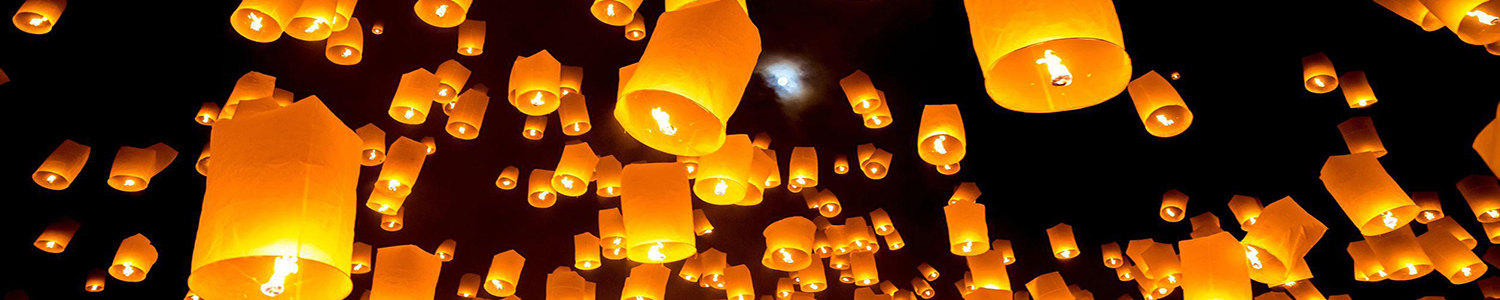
(1472, 20)
(1367, 267)
(534, 128)
(430, 144)
(468, 285)
(133, 167)
(571, 81)
(940, 139)
(863, 97)
(1160, 107)
(690, 269)
(1318, 75)
(762, 168)
(405, 272)
(62, 166)
(1451, 257)
(646, 282)
(785, 287)
(1246, 209)
(738, 284)
(949, 169)
(202, 163)
(505, 274)
(723, 176)
(690, 78)
(251, 86)
(393, 223)
(534, 83)
(839, 241)
(373, 139)
(840, 164)
(133, 259)
(636, 29)
(607, 176)
(539, 192)
(378, 28)
(846, 276)
(611, 229)
(38, 16)
(922, 288)
(1063, 245)
(1214, 267)
(657, 212)
(574, 115)
(1432, 209)
(55, 238)
(862, 265)
(894, 241)
(1048, 57)
(95, 282)
(803, 170)
(615, 12)
(281, 97)
(467, 116)
(927, 271)
(1359, 135)
(586, 251)
(701, 226)
(1371, 199)
(1490, 287)
(446, 249)
(1483, 195)
(1452, 228)
(860, 237)
(988, 271)
(471, 38)
(1155, 260)
(1401, 252)
(1173, 206)
(451, 78)
(882, 222)
(1357, 91)
(1414, 11)
(346, 47)
(575, 169)
(313, 19)
(442, 13)
(967, 229)
(965, 192)
(360, 260)
(1049, 286)
(712, 262)
(207, 114)
(689, 164)
(1127, 272)
(507, 179)
(874, 162)
(1205, 224)
(1111, 254)
(398, 176)
(1492, 230)
(880, 117)
(414, 96)
(789, 244)
(260, 20)
(888, 288)
(812, 279)
(1284, 234)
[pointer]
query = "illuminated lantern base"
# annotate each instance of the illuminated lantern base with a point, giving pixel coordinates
(1097, 70)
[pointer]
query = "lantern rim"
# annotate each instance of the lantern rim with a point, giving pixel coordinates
(1107, 64)
(271, 29)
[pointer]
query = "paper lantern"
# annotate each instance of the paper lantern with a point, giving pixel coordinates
(882, 222)
(1063, 245)
(861, 92)
(1471, 20)
(880, 116)
(1214, 267)
(1284, 234)
(94, 283)
(1367, 267)
(133, 259)
(1246, 209)
(1156, 261)
(646, 282)
(701, 226)
(894, 241)
(535, 83)
(259, 20)
(1451, 257)
(927, 271)
(874, 162)
(62, 166)
(1127, 272)
(636, 29)
(378, 28)
(1451, 227)
(860, 237)
(712, 262)
(607, 176)
(940, 139)
(1318, 75)
(690, 78)
(846, 276)
(821, 243)
(690, 269)
(346, 47)
(1414, 11)
(534, 128)
(430, 144)
(1492, 230)
(446, 249)
(281, 97)
(467, 116)
(1111, 254)
(575, 169)
(1359, 135)
(839, 261)
(839, 241)
(988, 271)
(342, 13)
(1173, 206)
(360, 259)
(405, 272)
(133, 167)
(586, 251)
(1160, 107)
(888, 288)
(964, 192)
(574, 115)
(949, 169)
(55, 238)
(1490, 287)
(789, 244)
(373, 139)
(442, 13)
(611, 229)
(468, 285)
(1371, 199)
(812, 279)
(1048, 287)
(1483, 196)
(862, 265)
(505, 274)
(738, 284)
(723, 176)
(539, 192)
(570, 81)
(471, 38)
(1048, 57)
(1204, 225)
(393, 223)
(202, 163)
(207, 114)
(313, 20)
(414, 96)
(251, 86)
(1005, 251)
(689, 165)
(1401, 252)
(840, 164)
(507, 179)
(967, 229)
(784, 288)
(1357, 91)
(803, 171)
(615, 12)
(38, 16)
(451, 78)
(1432, 209)
(657, 212)
(922, 288)
(397, 176)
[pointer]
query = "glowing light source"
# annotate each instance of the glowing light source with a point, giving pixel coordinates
(663, 123)
(1483, 17)
(284, 265)
(255, 21)
(442, 10)
(1055, 67)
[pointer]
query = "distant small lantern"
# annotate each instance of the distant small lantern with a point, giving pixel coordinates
(762, 141)
(1214, 267)
(1063, 244)
(1367, 194)
(507, 179)
(446, 250)
(1432, 209)
(1173, 206)
(397, 176)
(1005, 251)
(471, 38)
(1483, 195)
(504, 274)
(134, 259)
(646, 282)
(657, 212)
(62, 166)
(1359, 134)
(1112, 257)
(840, 164)
(803, 171)
(451, 79)
(1318, 75)
(965, 192)
(789, 244)
(55, 238)
(701, 225)
(134, 167)
(1357, 91)
(430, 144)
(393, 223)
(534, 128)
(861, 92)
(882, 222)
(202, 163)
(880, 117)
(442, 13)
(346, 47)
(611, 229)
(636, 29)
(894, 240)
(615, 12)
(207, 114)
(722, 177)
(607, 176)
(575, 169)
(468, 285)
(812, 279)
(941, 139)
(414, 96)
(1246, 209)
(1451, 257)
(94, 283)
(586, 251)
(359, 261)
(535, 83)
(539, 192)
(467, 117)
(573, 113)
(378, 28)
(968, 234)
(405, 272)
(1401, 252)
(874, 162)
(1161, 109)
(38, 16)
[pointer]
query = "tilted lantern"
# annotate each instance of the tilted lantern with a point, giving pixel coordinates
(471, 38)
(573, 113)
(1173, 206)
(467, 116)
(1401, 253)
(1156, 261)
(690, 269)
(508, 177)
(539, 192)
(346, 47)
(789, 244)
(430, 144)
(882, 222)
(607, 176)
(1246, 210)
(1063, 244)
(1483, 195)
(442, 13)
(1161, 109)
(1049, 286)
(405, 272)
(965, 192)
(55, 238)
(534, 83)
(1205, 224)
(504, 274)
(1043, 57)
(1004, 247)
(134, 167)
(360, 262)
(1359, 134)
(468, 285)
(61, 167)
(615, 12)
(967, 229)
(575, 169)
(445, 250)
(1214, 267)
(313, 20)
(38, 16)
(1318, 75)
(874, 162)
(1451, 257)
(1414, 11)
(1281, 238)
(1471, 20)
(207, 114)
(1357, 90)
(657, 212)
(373, 139)
(343, 11)
(1371, 199)
(251, 86)
(414, 96)
(636, 29)
(988, 271)
(1452, 228)
(1111, 254)
(1432, 208)
(701, 225)
(723, 176)
(1367, 267)
(260, 20)
(133, 259)
(880, 116)
(922, 288)
(862, 95)
(451, 78)
(202, 164)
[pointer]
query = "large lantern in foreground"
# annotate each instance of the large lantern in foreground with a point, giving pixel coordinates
(723, 176)
(1371, 199)
(134, 167)
(658, 213)
(62, 166)
(1214, 267)
(1472, 20)
(443, 13)
(690, 78)
(1041, 56)
(1318, 75)
(288, 208)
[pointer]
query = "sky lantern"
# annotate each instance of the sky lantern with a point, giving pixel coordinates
(534, 127)
(813, 278)
(1005, 251)
(534, 83)
(397, 176)
(894, 240)
(712, 262)
(882, 222)
(922, 288)
(880, 116)
(202, 163)
(507, 178)
(94, 283)
(1160, 107)
(785, 287)
(1492, 230)
(1401, 253)
(575, 169)
(55, 238)
(207, 114)
(393, 223)
(1318, 75)
(701, 225)
(405, 272)
(940, 139)
(442, 13)
(1451, 257)
(636, 29)
(1471, 20)
(1359, 135)
(1490, 287)
(1246, 209)
(343, 11)
(611, 229)
(570, 81)
(451, 78)
(1155, 260)
(738, 284)
(1111, 255)
(133, 259)
(467, 116)
(1414, 11)
(967, 230)
(1452, 228)
(1173, 206)
(1205, 224)
(690, 269)
(539, 192)
(313, 20)
(134, 167)
(789, 244)
(504, 274)
(257, 20)
(1127, 272)
(573, 113)
(62, 166)
(965, 192)
(840, 164)
(607, 176)
(373, 140)
(1432, 209)
(861, 92)
(1284, 234)
(689, 164)
(1371, 199)
(414, 96)
(657, 212)
(586, 251)
(1483, 196)
(723, 176)
(38, 16)
(1049, 286)
(646, 282)
(359, 261)
(874, 162)
(839, 241)
(615, 12)
(1487, 143)
(1357, 91)
(430, 144)
(471, 38)
(690, 78)
(762, 167)
(860, 237)
(862, 265)
(988, 271)
(563, 283)
(282, 97)
(468, 285)
(1214, 267)
(803, 171)
(446, 250)
(1367, 267)
(927, 272)
(1063, 245)
(1042, 57)
(251, 86)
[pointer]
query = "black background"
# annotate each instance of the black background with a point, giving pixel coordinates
(133, 73)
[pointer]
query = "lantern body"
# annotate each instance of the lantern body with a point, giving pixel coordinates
(646, 281)
(657, 213)
(803, 170)
(539, 192)
(446, 250)
(342, 13)
(1371, 199)
(1049, 286)
(738, 284)
(1492, 230)
(378, 28)
(988, 271)
(55, 238)
(1246, 210)
(360, 262)
(1359, 135)
(534, 128)
(1284, 234)
(471, 38)
(1483, 196)
(1111, 255)
(62, 166)
(1160, 107)
(1173, 206)
(614, 12)
(927, 272)
(1205, 224)
(467, 116)
(690, 78)
(1214, 267)
(813, 278)
(251, 86)
(862, 265)
(585, 251)
(429, 144)
(504, 274)
(451, 78)
(373, 139)
(507, 179)
(468, 285)
(1063, 245)
(690, 269)
(874, 162)
(261, 20)
(967, 229)
(1357, 91)
(1432, 208)
(789, 244)
(611, 229)
(405, 272)
(207, 114)
(1414, 11)
(574, 115)
(1447, 225)
(840, 164)
(1401, 253)
(607, 176)
(636, 29)
(397, 176)
(38, 16)
(346, 47)
(134, 167)
(1487, 143)
(202, 164)
(1040, 56)
(712, 262)
(1367, 267)
(313, 19)
(94, 283)
(894, 241)
(922, 288)
(574, 170)
(1318, 75)
(880, 116)
(414, 96)
(1451, 257)
(394, 222)
(965, 192)
(442, 13)
(133, 259)
(941, 137)
(1471, 20)
(723, 177)
(1156, 261)
(882, 222)
(1005, 251)
(701, 225)
(534, 83)
(862, 95)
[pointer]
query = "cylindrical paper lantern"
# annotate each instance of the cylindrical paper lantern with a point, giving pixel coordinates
(259, 20)
(1483, 195)
(378, 28)
(1432, 209)
(611, 229)
(251, 86)
(657, 212)
(471, 38)
(887, 288)
(446, 250)
(1284, 234)
(738, 284)
(539, 191)
(397, 176)
(723, 176)
(812, 279)
(636, 29)
(586, 251)
(1318, 75)
(874, 162)
(1472, 20)
(1173, 206)
(712, 262)
(965, 192)
(689, 164)
(1246, 209)
(988, 271)
(927, 271)
(1367, 267)
(1357, 91)
(940, 139)
(803, 171)
(614, 12)
(55, 238)
(701, 226)
(1160, 107)
(1205, 224)
(922, 288)
(62, 166)
(690, 78)
(575, 169)
(133, 259)
(773, 178)
(313, 21)
(38, 16)
(574, 115)
(1127, 272)
(785, 287)
(846, 276)
(646, 282)
(563, 283)
(1049, 286)
(1401, 253)
(346, 47)
(1063, 244)
(343, 11)
(1492, 230)
(840, 164)
(882, 222)
(360, 262)
(1451, 257)
(861, 92)
(1452, 228)
(430, 144)
(862, 265)
(894, 240)
(451, 78)
(414, 96)
(1044, 57)
(405, 272)
(1214, 267)
(1112, 257)
(507, 179)
(1359, 134)
(468, 285)
(949, 169)
(94, 283)
(534, 83)
(607, 176)
(202, 163)
(207, 114)
(762, 141)
(1156, 261)
(442, 13)
(1371, 199)
(394, 222)
(373, 139)
(880, 116)
(505, 274)
(134, 167)
(570, 81)
(967, 229)
(467, 116)
(860, 237)
(690, 269)
(1414, 11)
(789, 244)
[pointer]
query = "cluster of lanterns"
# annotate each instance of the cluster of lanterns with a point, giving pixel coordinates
(1473, 21)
